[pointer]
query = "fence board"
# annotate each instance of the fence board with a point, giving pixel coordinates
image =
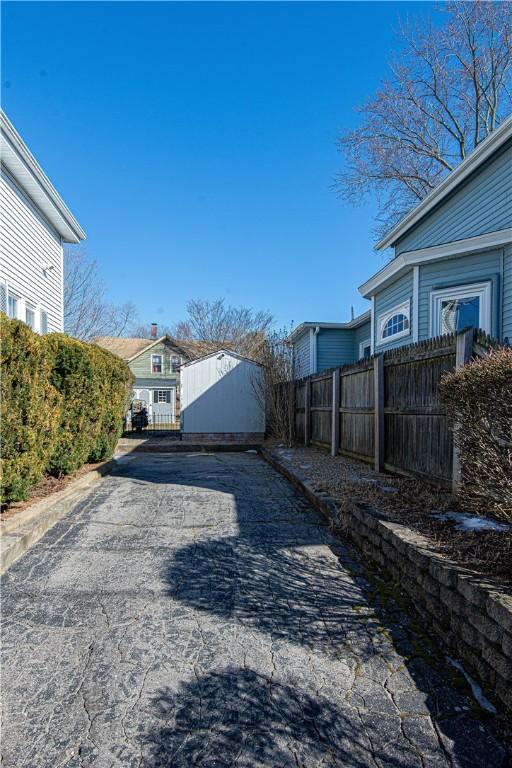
(417, 438)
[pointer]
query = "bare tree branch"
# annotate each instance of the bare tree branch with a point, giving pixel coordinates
(213, 322)
(447, 89)
(86, 313)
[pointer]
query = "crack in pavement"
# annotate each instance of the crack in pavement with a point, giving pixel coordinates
(192, 613)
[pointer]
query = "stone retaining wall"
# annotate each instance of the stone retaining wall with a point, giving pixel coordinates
(471, 617)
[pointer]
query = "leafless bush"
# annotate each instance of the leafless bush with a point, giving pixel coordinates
(478, 398)
(275, 390)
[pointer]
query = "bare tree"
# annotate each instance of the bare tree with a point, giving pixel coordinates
(275, 390)
(448, 88)
(86, 312)
(213, 322)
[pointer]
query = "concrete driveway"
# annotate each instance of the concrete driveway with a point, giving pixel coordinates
(193, 610)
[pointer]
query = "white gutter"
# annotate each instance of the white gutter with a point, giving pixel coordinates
(408, 259)
(480, 154)
(28, 174)
(314, 367)
(355, 323)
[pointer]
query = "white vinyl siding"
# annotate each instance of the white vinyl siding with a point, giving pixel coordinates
(28, 246)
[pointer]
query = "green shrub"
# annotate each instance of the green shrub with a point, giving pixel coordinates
(30, 408)
(478, 398)
(63, 403)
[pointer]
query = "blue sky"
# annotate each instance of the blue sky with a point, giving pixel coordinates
(195, 143)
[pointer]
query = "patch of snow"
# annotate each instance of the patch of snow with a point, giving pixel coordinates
(357, 479)
(305, 466)
(465, 522)
(285, 453)
(388, 489)
(477, 692)
(251, 450)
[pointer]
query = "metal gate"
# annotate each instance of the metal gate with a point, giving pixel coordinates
(153, 410)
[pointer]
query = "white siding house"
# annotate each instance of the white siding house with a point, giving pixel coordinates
(34, 224)
(220, 397)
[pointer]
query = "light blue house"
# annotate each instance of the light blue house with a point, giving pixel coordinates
(319, 346)
(452, 264)
(452, 267)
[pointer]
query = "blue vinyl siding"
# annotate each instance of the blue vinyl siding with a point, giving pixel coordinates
(507, 294)
(386, 299)
(301, 363)
(363, 333)
(463, 270)
(335, 347)
(482, 204)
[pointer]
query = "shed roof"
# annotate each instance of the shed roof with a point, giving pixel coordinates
(221, 351)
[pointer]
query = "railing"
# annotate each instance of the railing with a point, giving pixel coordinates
(158, 422)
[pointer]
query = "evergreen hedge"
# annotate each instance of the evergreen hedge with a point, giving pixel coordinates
(478, 399)
(62, 405)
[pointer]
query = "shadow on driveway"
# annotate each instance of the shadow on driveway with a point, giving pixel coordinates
(282, 576)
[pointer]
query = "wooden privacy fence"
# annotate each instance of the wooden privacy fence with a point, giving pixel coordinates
(386, 409)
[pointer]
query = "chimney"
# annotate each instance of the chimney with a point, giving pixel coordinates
(153, 331)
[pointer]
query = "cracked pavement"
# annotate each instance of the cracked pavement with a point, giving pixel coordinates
(194, 610)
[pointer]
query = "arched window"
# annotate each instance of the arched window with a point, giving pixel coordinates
(394, 323)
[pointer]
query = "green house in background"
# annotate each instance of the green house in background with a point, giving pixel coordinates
(156, 364)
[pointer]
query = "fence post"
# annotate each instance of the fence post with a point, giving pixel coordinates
(291, 410)
(335, 423)
(307, 412)
(378, 383)
(463, 353)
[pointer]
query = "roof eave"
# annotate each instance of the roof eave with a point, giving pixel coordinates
(23, 166)
(483, 151)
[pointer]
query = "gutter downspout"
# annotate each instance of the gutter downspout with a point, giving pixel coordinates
(314, 367)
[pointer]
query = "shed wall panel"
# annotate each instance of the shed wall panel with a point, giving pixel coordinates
(220, 395)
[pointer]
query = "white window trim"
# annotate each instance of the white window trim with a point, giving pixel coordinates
(482, 290)
(401, 309)
(161, 363)
(362, 345)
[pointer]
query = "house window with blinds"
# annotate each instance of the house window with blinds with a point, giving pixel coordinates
(156, 363)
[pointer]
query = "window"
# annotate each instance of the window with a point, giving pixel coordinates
(44, 322)
(459, 307)
(161, 396)
(365, 349)
(3, 296)
(395, 323)
(156, 363)
(12, 306)
(30, 317)
(175, 364)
